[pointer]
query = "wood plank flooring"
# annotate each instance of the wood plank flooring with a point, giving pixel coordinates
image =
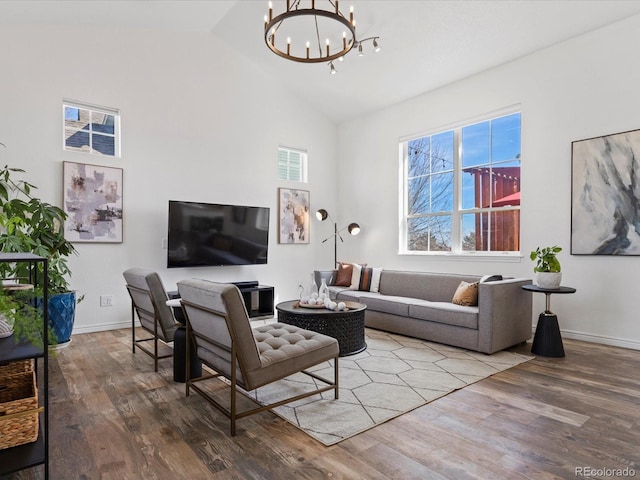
(112, 417)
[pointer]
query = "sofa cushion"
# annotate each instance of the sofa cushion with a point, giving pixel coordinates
(466, 294)
(329, 276)
(334, 290)
(365, 278)
(355, 295)
(435, 287)
(444, 312)
(345, 271)
(388, 304)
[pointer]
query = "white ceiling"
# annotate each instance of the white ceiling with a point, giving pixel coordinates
(425, 44)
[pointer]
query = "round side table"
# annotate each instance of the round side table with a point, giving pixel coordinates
(547, 341)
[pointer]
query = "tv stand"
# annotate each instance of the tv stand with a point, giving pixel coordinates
(258, 299)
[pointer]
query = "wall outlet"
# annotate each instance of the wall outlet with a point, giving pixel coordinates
(106, 300)
(164, 243)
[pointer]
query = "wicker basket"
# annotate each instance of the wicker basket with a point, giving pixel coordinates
(17, 366)
(18, 409)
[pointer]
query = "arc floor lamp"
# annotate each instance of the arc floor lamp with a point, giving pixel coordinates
(352, 228)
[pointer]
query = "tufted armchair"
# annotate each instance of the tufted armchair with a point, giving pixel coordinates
(219, 327)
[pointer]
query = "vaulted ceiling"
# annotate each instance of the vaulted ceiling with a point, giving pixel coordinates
(425, 44)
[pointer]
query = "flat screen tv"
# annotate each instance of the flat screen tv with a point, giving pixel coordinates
(211, 234)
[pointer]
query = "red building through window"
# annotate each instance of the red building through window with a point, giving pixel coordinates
(499, 229)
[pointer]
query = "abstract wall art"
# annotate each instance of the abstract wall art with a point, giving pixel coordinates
(605, 195)
(93, 203)
(293, 219)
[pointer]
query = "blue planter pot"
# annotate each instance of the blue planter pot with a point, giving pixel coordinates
(62, 315)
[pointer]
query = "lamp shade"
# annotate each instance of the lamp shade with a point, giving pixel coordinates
(322, 214)
(353, 228)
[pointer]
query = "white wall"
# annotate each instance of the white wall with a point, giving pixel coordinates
(582, 88)
(188, 105)
(198, 123)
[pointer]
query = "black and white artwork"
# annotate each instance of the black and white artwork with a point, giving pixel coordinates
(605, 189)
(93, 203)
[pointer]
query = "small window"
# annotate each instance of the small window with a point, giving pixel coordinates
(91, 129)
(292, 164)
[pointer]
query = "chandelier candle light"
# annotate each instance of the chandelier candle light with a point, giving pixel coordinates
(338, 30)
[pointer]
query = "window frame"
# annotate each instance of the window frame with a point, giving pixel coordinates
(115, 113)
(458, 211)
(304, 158)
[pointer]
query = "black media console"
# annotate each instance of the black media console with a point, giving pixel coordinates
(258, 299)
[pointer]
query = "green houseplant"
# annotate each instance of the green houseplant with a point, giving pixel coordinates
(547, 269)
(29, 224)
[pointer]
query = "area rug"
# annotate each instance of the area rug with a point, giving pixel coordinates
(393, 376)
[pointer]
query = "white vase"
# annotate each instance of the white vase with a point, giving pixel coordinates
(313, 287)
(548, 279)
(323, 291)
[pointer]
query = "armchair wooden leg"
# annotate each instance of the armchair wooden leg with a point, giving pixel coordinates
(233, 390)
(155, 344)
(335, 378)
(133, 328)
(187, 347)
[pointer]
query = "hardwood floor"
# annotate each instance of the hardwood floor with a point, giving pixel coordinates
(112, 417)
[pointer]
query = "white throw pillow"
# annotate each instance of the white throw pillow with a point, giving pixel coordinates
(365, 279)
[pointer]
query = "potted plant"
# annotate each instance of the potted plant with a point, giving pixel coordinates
(31, 225)
(547, 269)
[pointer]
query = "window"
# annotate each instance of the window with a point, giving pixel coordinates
(462, 189)
(292, 164)
(91, 129)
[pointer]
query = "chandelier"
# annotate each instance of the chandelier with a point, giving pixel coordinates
(329, 34)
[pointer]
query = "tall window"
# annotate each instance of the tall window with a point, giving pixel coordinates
(91, 129)
(292, 164)
(462, 189)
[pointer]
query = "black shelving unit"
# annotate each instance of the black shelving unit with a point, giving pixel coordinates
(37, 453)
(258, 299)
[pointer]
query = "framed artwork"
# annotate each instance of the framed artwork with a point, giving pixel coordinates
(293, 219)
(92, 202)
(605, 195)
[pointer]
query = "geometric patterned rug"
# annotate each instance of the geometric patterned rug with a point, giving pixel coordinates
(394, 375)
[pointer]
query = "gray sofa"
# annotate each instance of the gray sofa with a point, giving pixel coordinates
(419, 304)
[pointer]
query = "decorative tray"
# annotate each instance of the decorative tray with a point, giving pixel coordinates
(352, 305)
(349, 304)
(306, 305)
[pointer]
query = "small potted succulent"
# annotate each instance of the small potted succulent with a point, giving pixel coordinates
(547, 269)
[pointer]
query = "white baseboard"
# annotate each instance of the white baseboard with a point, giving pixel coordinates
(613, 341)
(593, 338)
(127, 324)
(102, 327)
(586, 337)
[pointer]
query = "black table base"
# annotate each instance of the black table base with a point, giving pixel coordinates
(180, 357)
(347, 326)
(547, 341)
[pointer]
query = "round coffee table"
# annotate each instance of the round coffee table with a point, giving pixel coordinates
(346, 326)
